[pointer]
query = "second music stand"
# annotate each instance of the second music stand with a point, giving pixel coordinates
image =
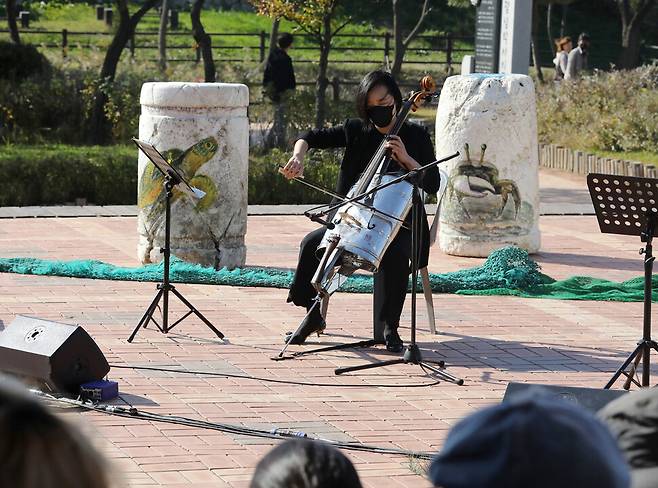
(172, 178)
(629, 205)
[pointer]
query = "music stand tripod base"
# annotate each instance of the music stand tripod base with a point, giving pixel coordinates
(171, 179)
(629, 205)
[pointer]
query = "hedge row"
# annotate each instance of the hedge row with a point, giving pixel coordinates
(50, 175)
(58, 174)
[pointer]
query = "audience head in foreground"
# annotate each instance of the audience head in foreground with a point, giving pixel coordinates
(633, 420)
(531, 441)
(303, 463)
(40, 450)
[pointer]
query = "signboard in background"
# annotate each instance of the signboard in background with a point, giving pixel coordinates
(515, 27)
(487, 34)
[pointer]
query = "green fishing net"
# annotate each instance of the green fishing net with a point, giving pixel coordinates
(507, 271)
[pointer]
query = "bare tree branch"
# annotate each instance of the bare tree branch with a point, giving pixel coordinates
(423, 13)
(624, 10)
(341, 27)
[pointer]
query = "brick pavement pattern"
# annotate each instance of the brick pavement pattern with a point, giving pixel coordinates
(489, 341)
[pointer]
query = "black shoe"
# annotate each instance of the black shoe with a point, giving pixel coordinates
(393, 341)
(313, 322)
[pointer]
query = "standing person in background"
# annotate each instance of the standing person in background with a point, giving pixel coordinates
(577, 61)
(279, 77)
(564, 46)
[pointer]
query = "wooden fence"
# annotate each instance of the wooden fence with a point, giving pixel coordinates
(256, 49)
(565, 159)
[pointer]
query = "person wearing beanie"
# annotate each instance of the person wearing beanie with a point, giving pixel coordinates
(531, 441)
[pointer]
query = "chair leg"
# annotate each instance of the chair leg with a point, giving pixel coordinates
(324, 306)
(427, 291)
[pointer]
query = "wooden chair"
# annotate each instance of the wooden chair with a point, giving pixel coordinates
(378, 326)
(424, 274)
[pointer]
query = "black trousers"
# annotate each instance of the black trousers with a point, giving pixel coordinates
(390, 282)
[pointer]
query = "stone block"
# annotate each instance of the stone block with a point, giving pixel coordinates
(492, 197)
(203, 129)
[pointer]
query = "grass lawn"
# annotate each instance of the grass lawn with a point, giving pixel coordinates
(646, 157)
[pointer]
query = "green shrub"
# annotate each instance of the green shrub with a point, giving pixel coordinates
(59, 174)
(42, 108)
(54, 106)
(609, 111)
(20, 61)
(268, 187)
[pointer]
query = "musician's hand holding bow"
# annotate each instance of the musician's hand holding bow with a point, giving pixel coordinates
(399, 153)
(295, 166)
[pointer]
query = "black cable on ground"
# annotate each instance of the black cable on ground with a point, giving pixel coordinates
(274, 380)
(279, 434)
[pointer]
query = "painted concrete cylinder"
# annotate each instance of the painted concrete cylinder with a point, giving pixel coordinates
(203, 130)
(492, 196)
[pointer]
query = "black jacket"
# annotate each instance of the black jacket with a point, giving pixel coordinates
(279, 74)
(362, 140)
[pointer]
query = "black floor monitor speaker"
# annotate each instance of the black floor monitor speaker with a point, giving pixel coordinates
(58, 356)
(592, 399)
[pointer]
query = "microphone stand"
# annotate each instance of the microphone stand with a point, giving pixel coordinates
(412, 353)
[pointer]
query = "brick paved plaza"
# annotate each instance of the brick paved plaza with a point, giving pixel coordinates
(489, 341)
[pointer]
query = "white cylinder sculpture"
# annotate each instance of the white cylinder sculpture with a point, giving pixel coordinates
(492, 196)
(203, 130)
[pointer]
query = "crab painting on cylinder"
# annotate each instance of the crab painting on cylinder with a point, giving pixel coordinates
(475, 188)
(492, 198)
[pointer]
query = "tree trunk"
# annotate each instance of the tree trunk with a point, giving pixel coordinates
(549, 15)
(535, 60)
(398, 44)
(533, 42)
(629, 57)
(162, 36)
(10, 5)
(322, 82)
(563, 21)
(274, 33)
(204, 42)
(401, 44)
(99, 125)
(631, 25)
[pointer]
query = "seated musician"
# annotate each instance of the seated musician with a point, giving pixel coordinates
(378, 100)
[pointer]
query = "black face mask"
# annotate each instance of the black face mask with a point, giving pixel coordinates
(381, 115)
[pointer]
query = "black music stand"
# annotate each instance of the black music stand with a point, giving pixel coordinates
(629, 205)
(172, 178)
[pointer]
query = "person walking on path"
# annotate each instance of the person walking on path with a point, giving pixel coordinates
(577, 61)
(279, 77)
(564, 46)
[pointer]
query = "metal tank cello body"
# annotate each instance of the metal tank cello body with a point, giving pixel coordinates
(364, 234)
(358, 236)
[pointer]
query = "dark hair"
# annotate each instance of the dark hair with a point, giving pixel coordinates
(285, 40)
(584, 36)
(561, 42)
(300, 463)
(371, 80)
(28, 430)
